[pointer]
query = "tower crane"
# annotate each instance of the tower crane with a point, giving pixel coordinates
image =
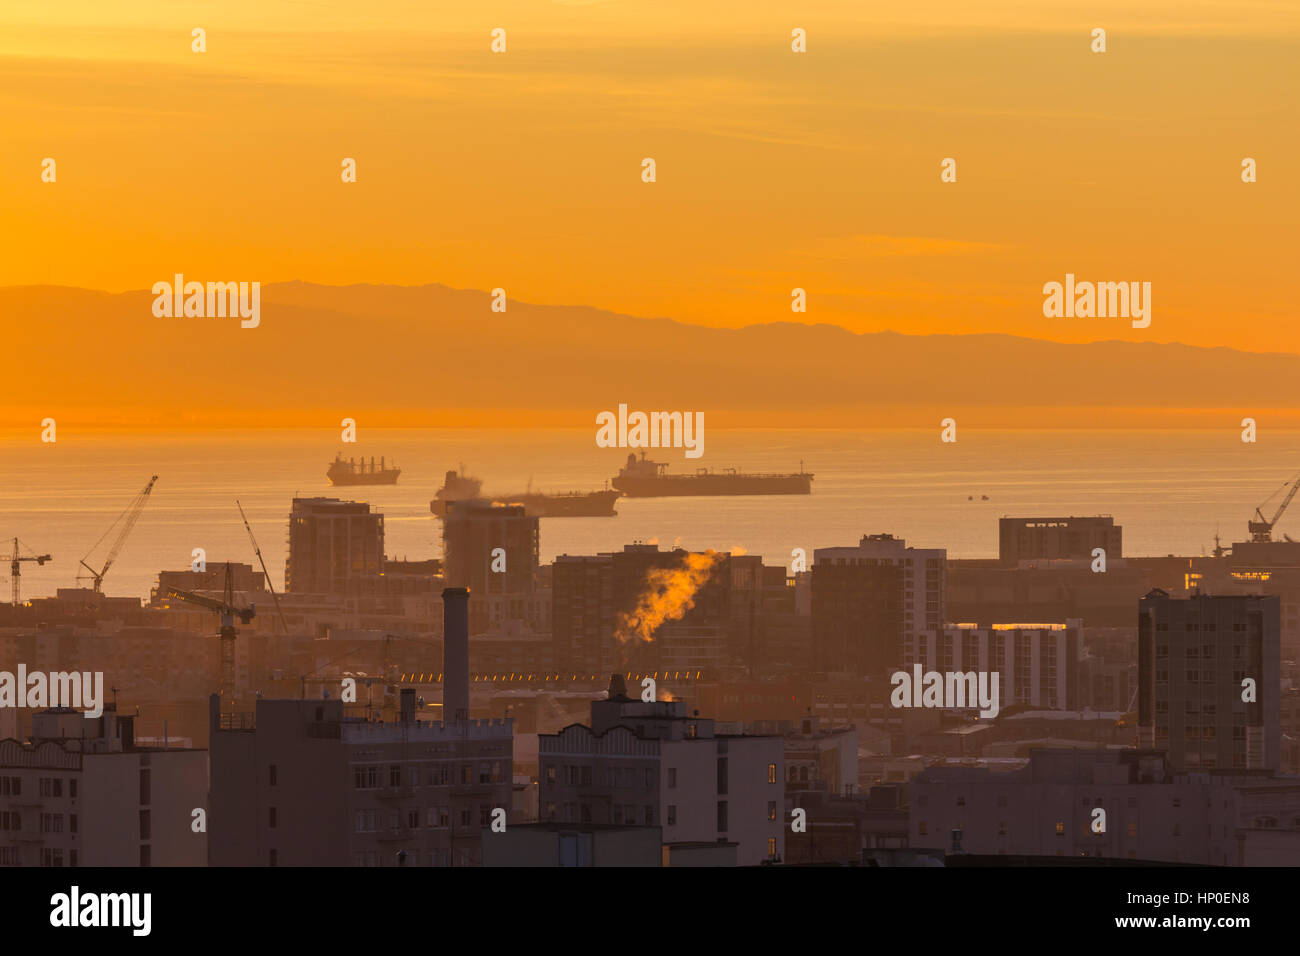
(127, 519)
(228, 611)
(16, 567)
(258, 551)
(1262, 529)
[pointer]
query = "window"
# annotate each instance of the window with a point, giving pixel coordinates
(771, 773)
(72, 792)
(1002, 829)
(672, 778)
(367, 821)
(550, 774)
(72, 824)
(144, 791)
(146, 825)
(771, 848)
(146, 855)
(771, 809)
(270, 775)
(413, 819)
(270, 821)
(365, 778)
(1060, 828)
(722, 816)
(672, 815)
(921, 828)
(395, 775)
(273, 858)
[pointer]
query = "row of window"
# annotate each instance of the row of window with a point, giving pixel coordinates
(575, 775)
(53, 823)
(49, 787)
(464, 856)
(436, 818)
(373, 777)
(923, 800)
(1132, 830)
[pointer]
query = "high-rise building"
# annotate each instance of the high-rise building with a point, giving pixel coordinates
(1055, 539)
(492, 550)
(869, 601)
(1037, 665)
(590, 592)
(489, 548)
(1209, 684)
(335, 547)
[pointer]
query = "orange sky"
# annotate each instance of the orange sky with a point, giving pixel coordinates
(775, 170)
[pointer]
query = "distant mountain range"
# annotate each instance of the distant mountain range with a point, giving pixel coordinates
(428, 354)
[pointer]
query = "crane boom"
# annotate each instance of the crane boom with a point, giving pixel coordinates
(1261, 529)
(258, 551)
(128, 519)
(228, 610)
(16, 568)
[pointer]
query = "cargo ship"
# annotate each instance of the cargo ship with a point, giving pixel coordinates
(641, 478)
(349, 473)
(457, 486)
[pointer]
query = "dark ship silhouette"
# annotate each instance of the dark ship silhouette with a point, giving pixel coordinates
(348, 473)
(641, 478)
(457, 486)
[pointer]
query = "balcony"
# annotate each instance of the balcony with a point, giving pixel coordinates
(395, 834)
(395, 793)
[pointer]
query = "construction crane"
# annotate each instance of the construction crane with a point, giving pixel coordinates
(258, 551)
(1262, 530)
(16, 567)
(228, 611)
(127, 519)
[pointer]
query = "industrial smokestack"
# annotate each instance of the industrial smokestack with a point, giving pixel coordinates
(617, 687)
(455, 654)
(408, 705)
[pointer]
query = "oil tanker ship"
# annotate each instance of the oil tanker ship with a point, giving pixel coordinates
(349, 473)
(641, 478)
(457, 486)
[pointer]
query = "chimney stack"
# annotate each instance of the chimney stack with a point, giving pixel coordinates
(455, 654)
(617, 687)
(408, 705)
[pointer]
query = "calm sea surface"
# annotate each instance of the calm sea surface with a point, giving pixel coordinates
(1169, 489)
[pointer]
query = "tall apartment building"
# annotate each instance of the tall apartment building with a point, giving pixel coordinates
(82, 793)
(335, 547)
(651, 764)
(869, 601)
(1048, 808)
(1193, 656)
(1055, 539)
(492, 550)
(1037, 665)
(303, 784)
(590, 591)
